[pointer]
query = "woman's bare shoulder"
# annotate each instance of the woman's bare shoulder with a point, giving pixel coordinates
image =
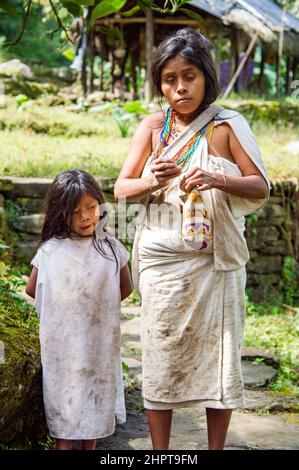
(154, 120)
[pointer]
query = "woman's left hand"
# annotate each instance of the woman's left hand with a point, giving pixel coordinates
(198, 178)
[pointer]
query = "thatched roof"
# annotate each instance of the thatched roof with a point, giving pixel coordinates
(255, 16)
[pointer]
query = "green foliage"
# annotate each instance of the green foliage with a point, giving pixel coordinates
(282, 112)
(8, 8)
(134, 298)
(290, 278)
(41, 141)
(36, 44)
(123, 121)
(269, 328)
(12, 304)
(135, 107)
(105, 8)
(20, 99)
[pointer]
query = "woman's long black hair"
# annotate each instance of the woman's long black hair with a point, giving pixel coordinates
(194, 48)
(63, 196)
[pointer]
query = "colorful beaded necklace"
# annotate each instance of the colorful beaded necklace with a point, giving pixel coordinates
(185, 153)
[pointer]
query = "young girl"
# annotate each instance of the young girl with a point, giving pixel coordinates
(78, 279)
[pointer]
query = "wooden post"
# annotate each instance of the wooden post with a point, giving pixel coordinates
(134, 60)
(112, 62)
(262, 68)
(101, 74)
(279, 54)
(288, 70)
(149, 37)
(240, 67)
(294, 68)
(84, 75)
(234, 55)
(218, 53)
(90, 48)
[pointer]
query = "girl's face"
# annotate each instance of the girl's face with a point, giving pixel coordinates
(86, 215)
(183, 85)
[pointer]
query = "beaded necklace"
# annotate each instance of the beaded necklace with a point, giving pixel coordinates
(183, 156)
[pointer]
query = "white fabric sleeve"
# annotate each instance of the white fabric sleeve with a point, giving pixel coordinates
(123, 254)
(36, 260)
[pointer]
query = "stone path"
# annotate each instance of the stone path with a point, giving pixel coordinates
(265, 424)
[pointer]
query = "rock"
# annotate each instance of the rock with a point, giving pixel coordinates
(51, 100)
(274, 211)
(29, 223)
(257, 374)
(96, 97)
(251, 354)
(3, 220)
(265, 280)
(132, 363)
(131, 328)
(266, 264)
(132, 349)
(5, 185)
(25, 251)
(22, 413)
(31, 206)
(271, 293)
(19, 85)
(130, 310)
(16, 67)
(268, 234)
(279, 248)
(269, 402)
(26, 187)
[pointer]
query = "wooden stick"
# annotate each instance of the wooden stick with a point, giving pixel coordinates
(179, 21)
(240, 67)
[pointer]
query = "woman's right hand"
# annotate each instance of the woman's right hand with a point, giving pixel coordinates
(163, 171)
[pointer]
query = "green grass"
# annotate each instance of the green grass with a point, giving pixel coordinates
(43, 156)
(277, 159)
(276, 332)
(42, 141)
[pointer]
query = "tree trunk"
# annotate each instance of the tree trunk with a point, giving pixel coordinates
(262, 68)
(288, 70)
(149, 32)
(234, 56)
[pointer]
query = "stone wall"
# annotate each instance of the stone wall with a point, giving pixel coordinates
(272, 234)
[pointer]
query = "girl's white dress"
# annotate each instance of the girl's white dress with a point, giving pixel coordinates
(78, 302)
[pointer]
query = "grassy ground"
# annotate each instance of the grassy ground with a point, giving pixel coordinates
(276, 331)
(41, 141)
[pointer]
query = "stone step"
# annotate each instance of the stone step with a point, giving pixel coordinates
(29, 223)
(256, 374)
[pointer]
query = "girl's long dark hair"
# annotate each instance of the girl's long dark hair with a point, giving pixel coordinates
(62, 198)
(193, 47)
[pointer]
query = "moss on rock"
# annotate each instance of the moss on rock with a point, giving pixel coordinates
(22, 413)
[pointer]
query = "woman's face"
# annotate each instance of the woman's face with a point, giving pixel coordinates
(183, 85)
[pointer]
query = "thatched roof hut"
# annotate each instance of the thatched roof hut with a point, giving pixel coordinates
(243, 22)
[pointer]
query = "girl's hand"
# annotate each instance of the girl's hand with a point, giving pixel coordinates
(164, 170)
(198, 178)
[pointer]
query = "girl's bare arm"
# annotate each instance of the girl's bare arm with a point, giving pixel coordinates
(31, 284)
(126, 285)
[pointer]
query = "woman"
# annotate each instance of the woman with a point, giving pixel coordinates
(192, 288)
